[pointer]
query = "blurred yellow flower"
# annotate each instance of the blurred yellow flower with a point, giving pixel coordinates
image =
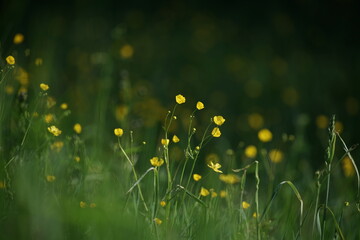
(204, 192)
(223, 193)
(348, 167)
(50, 178)
(121, 112)
(276, 155)
(219, 120)
(163, 203)
(175, 139)
(92, 205)
(199, 105)
(157, 221)
(126, 51)
(245, 205)
(9, 89)
(2, 185)
(216, 132)
(339, 127)
(38, 61)
(196, 177)
(44, 86)
(265, 135)
(48, 118)
(63, 106)
(118, 132)
(83, 204)
(180, 99)
(250, 151)
(165, 142)
(229, 178)
(58, 145)
(254, 215)
(18, 38)
(50, 102)
(54, 130)
(322, 121)
(213, 193)
(255, 120)
(10, 60)
(215, 167)
(156, 162)
(77, 128)
(77, 159)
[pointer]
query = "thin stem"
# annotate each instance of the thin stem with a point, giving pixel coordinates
(257, 200)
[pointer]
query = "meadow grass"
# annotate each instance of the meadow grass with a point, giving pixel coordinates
(59, 182)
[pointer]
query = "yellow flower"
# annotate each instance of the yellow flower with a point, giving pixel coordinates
(180, 99)
(213, 193)
(77, 159)
(2, 185)
(38, 61)
(163, 203)
(77, 128)
(250, 151)
(54, 130)
(175, 139)
(245, 205)
(157, 221)
(255, 120)
(215, 167)
(118, 132)
(58, 145)
(223, 193)
(83, 204)
(18, 38)
(127, 51)
(50, 102)
(216, 132)
(10, 60)
(50, 178)
(199, 105)
(204, 192)
(48, 118)
(254, 215)
(219, 120)
(196, 177)
(229, 178)
(348, 167)
(165, 142)
(44, 86)
(63, 106)
(265, 135)
(322, 121)
(276, 155)
(92, 205)
(156, 162)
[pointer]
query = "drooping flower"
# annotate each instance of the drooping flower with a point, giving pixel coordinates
(175, 139)
(265, 135)
(219, 120)
(196, 177)
(118, 132)
(77, 128)
(204, 192)
(215, 167)
(10, 60)
(44, 86)
(245, 205)
(54, 130)
(180, 99)
(199, 105)
(250, 151)
(156, 162)
(216, 132)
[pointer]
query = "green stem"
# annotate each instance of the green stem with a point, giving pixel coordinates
(258, 230)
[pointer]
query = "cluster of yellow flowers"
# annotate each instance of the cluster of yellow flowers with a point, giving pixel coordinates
(156, 162)
(54, 130)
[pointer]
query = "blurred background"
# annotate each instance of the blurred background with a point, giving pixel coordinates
(283, 65)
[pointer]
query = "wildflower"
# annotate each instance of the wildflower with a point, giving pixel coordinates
(223, 193)
(63, 106)
(175, 139)
(54, 130)
(229, 178)
(165, 142)
(219, 120)
(322, 121)
(92, 205)
(346, 204)
(215, 167)
(58, 145)
(48, 118)
(196, 177)
(38, 61)
(50, 102)
(127, 51)
(250, 151)
(255, 120)
(254, 215)
(157, 221)
(77, 159)
(83, 204)
(213, 193)
(265, 135)
(276, 155)
(9, 89)
(348, 167)
(199, 105)
(245, 205)
(77, 128)
(197, 148)
(118, 132)
(156, 162)
(339, 127)
(180, 99)
(44, 86)
(216, 132)
(18, 38)
(2, 185)
(50, 178)
(10, 60)
(163, 203)
(204, 192)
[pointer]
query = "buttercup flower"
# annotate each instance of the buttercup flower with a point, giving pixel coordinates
(156, 162)
(175, 139)
(204, 192)
(18, 38)
(54, 130)
(10, 60)
(196, 177)
(276, 155)
(77, 128)
(163, 203)
(215, 167)
(265, 135)
(118, 132)
(216, 132)
(50, 178)
(219, 120)
(250, 151)
(83, 204)
(157, 221)
(199, 105)
(229, 178)
(180, 99)
(165, 142)
(245, 205)
(63, 106)
(44, 86)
